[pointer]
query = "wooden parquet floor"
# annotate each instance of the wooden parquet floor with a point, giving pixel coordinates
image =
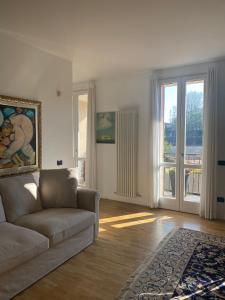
(128, 233)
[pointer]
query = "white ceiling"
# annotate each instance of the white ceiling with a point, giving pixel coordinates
(107, 37)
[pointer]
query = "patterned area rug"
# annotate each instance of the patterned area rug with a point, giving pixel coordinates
(187, 264)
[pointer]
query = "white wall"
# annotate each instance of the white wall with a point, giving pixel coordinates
(134, 91)
(131, 91)
(31, 73)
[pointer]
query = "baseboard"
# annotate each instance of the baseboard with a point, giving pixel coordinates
(137, 200)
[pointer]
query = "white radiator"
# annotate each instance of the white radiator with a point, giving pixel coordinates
(127, 146)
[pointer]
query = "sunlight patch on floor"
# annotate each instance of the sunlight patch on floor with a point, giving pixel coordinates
(165, 218)
(125, 217)
(129, 220)
(133, 223)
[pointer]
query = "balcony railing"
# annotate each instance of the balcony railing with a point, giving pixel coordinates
(193, 182)
(192, 177)
(192, 159)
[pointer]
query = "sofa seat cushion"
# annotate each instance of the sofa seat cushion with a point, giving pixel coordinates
(18, 245)
(58, 224)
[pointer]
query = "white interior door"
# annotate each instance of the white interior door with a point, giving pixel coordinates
(181, 135)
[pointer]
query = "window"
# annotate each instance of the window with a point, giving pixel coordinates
(81, 106)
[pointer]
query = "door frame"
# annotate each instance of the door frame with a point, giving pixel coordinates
(178, 203)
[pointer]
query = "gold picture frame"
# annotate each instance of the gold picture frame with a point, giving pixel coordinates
(20, 135)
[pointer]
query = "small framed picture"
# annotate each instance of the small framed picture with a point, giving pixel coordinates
(105, 127)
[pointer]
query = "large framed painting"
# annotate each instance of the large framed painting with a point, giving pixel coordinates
(20, 135)
(105, 127)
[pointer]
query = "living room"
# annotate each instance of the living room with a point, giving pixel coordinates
(112, 149)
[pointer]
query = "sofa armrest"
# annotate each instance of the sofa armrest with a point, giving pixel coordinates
(89, 200)
(2, 212)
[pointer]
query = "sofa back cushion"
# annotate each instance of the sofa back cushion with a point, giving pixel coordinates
(58, 188)
(20, 195)
(2, 212)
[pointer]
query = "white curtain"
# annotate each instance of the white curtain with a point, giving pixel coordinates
(90, 168)
(154, 143)
(215, 96)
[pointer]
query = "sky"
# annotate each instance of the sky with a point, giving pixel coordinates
(171, 96)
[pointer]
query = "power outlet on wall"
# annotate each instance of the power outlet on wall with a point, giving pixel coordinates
(220, 199)
(59, 162)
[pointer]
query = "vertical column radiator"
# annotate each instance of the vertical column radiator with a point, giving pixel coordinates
(127, 146)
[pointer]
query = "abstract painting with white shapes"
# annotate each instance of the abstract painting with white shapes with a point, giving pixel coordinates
(18, 135)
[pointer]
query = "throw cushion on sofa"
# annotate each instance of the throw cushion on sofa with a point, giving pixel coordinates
(19, 196)
(58, 188)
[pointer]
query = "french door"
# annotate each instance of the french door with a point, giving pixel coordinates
(181, 147)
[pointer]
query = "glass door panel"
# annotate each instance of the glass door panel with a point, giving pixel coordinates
(192, 184)
(168, 180)
(169, 122)
(194, 101)
(194, 122)
(168, 145)
(181, 135)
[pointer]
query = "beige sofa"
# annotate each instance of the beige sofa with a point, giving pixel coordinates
(44, 220)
